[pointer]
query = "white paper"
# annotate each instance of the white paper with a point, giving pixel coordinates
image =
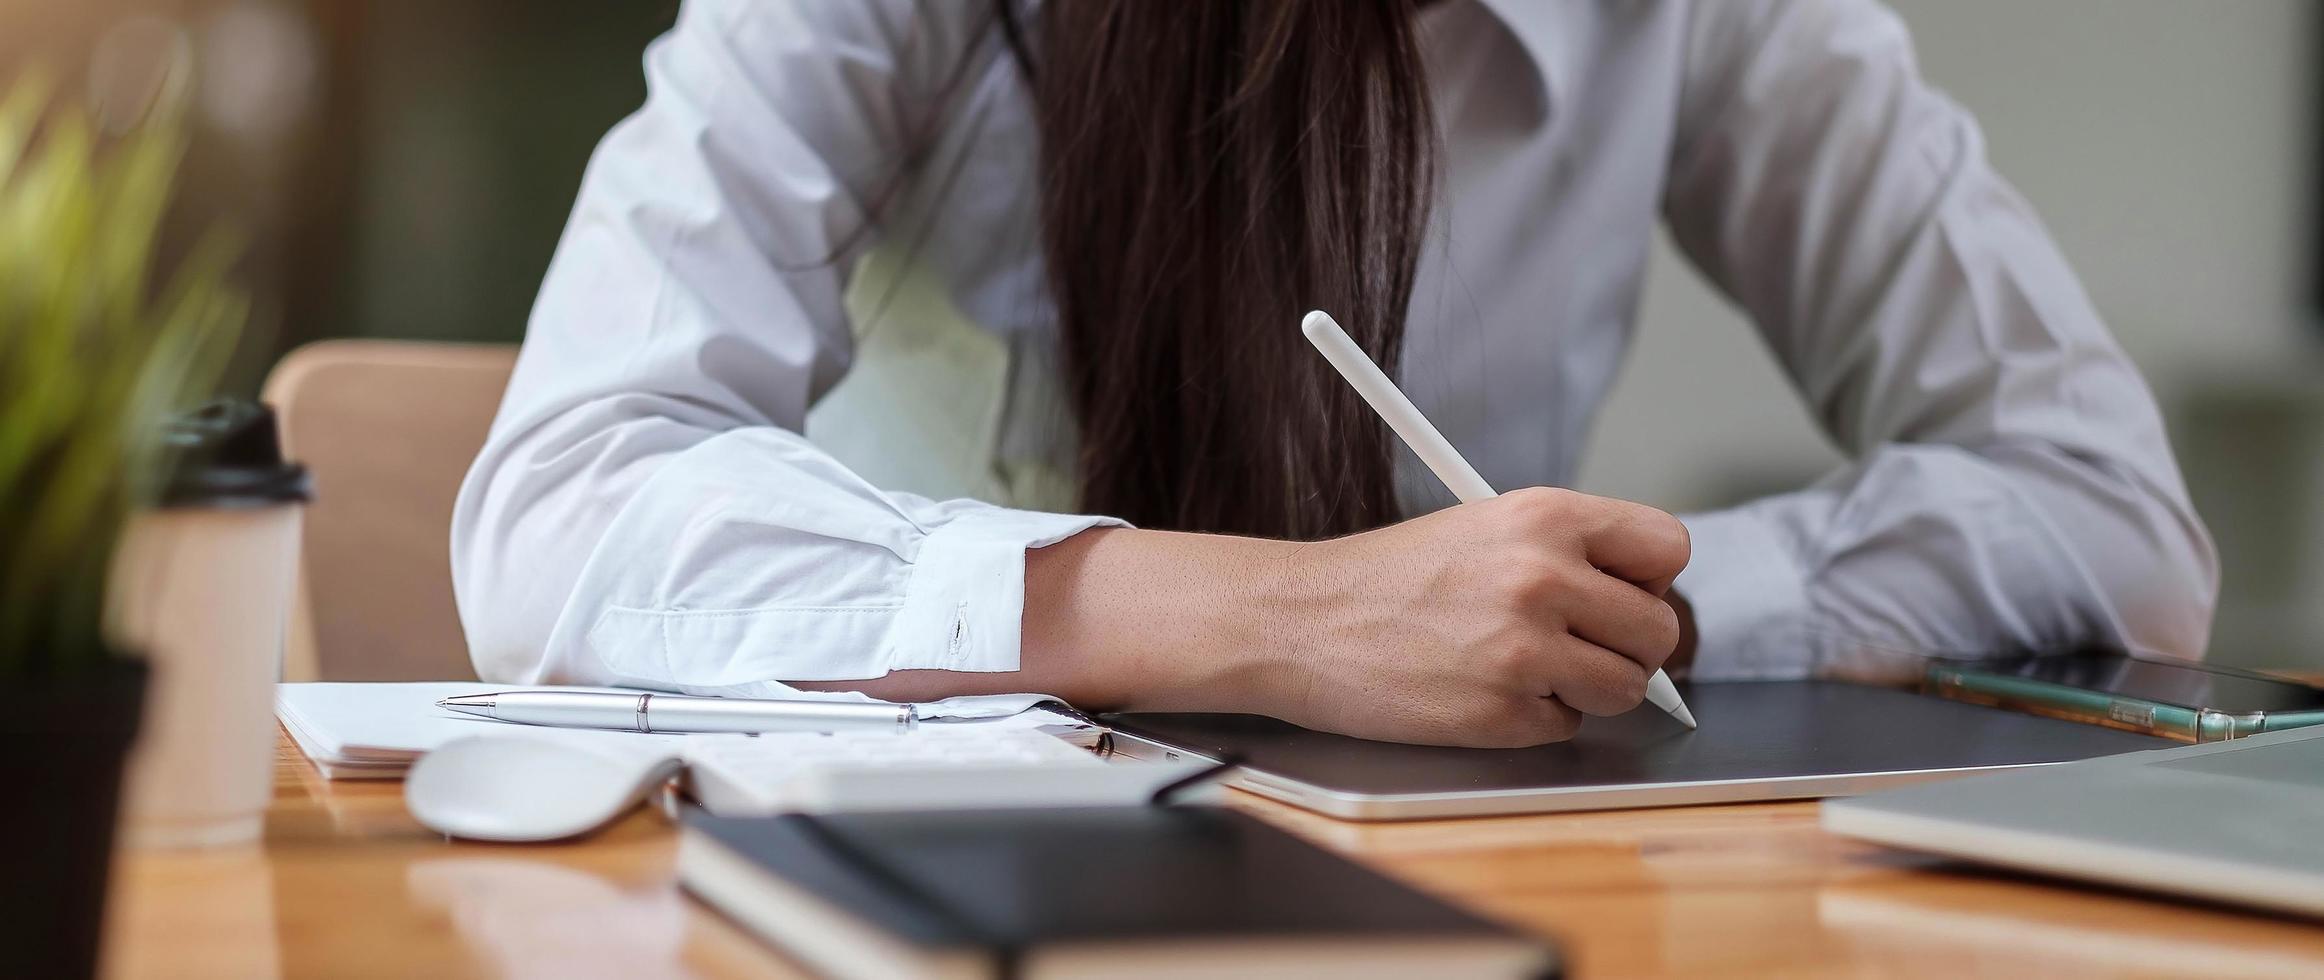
(376, 730)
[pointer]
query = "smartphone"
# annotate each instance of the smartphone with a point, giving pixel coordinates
(2188, 701)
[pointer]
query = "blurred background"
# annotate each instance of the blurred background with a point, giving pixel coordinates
(403, 169)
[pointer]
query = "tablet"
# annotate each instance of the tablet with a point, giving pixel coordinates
(2183, 700)
(1762, 740)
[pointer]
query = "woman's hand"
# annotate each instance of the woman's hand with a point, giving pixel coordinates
(1498, 623)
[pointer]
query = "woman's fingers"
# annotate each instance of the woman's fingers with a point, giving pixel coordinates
(1637, 544)
(1623, 618)
(1589, 678)
(1545, 720)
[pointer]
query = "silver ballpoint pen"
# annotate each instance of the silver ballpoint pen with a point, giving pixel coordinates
(645, 712)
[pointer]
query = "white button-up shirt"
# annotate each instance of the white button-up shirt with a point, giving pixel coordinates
(649, 510)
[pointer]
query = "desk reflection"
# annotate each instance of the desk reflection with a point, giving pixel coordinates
(535, 920)
(229, 933)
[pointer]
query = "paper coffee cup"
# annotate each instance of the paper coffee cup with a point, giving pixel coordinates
(202, 586)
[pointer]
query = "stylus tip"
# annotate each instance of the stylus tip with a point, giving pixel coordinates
(1664, 694)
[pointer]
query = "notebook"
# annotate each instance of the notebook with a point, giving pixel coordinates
(1117, 892)
(376, 730)
(953, 767)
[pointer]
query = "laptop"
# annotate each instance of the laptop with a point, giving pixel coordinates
(2240, 822)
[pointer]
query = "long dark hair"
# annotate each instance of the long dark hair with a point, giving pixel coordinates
(1211, 170)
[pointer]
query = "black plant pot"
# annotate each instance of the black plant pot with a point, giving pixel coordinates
(63, 742)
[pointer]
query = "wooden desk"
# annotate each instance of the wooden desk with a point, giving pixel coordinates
(346, 885)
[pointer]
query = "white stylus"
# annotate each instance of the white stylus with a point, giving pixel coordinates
(1430, 445)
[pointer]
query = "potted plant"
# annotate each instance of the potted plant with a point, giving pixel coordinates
(95, 349)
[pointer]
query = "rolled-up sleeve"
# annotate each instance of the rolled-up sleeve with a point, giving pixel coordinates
(2010, 486)
(645, 511)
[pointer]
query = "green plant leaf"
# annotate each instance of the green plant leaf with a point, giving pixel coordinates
(19, 112)
(91, 359)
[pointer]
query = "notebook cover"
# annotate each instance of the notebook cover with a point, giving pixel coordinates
(1017, 879)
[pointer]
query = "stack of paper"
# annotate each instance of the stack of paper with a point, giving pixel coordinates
(377, 730)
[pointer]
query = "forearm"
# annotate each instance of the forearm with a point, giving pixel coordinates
(1125, 618)
(1498, 623)
(1941, 551)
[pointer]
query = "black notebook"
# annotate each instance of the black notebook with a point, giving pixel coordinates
(1115, 892)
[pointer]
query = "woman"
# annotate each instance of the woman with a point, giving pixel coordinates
(1136, 201)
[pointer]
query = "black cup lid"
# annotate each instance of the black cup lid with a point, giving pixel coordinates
(228, 454)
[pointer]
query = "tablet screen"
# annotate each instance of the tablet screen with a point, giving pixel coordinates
(1755, 730)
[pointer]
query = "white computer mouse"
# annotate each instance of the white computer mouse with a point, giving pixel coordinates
(519, 788)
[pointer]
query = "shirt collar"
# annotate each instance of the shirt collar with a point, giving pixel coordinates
(1545, 39)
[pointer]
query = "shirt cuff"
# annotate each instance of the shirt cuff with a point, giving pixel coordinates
(965, 607)
(1749, 597)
